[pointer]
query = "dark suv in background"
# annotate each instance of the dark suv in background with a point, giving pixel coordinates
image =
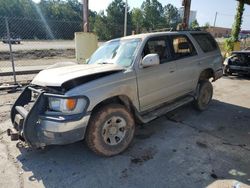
(14, 39)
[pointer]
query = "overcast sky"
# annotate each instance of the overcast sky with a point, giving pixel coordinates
(205, 10)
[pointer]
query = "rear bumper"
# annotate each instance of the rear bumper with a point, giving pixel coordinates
(38, 129)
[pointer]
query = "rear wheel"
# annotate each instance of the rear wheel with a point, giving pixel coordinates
(205, 94)
(110, 130)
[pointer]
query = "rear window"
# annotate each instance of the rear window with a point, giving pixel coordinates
(206, 42)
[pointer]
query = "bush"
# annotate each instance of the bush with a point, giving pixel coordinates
(229, 45)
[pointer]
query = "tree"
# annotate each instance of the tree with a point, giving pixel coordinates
(61, 10)
(100, 27)
(194, 24)
(238, 21)
(137, 19)
(230, 42)
(153, 14)
(17, 8)
(115, 18)
(172, 16)
(207, 25)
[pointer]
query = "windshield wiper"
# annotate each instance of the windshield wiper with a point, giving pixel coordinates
(105, 63)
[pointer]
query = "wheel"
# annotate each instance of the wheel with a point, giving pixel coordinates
(205, 94)
(110, 130)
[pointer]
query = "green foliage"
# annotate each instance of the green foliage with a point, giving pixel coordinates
(100, 27)
(229, 45)
(115, 18)
(195, 24)
(172, 16)
(153, 14)
(238, 21)
(137, 20)
(64, 17)
(207, 25)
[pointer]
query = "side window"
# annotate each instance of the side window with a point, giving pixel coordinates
(157, 45)
(181, 47)
(205, 41)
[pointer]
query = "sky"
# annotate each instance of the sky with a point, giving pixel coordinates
(205, 10)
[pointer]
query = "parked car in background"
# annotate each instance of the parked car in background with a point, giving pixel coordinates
(238, 62)
(127, 81)
(14, 39)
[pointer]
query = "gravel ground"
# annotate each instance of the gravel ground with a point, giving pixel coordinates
(184, 148)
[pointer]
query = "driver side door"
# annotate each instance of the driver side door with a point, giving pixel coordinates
(156, 84)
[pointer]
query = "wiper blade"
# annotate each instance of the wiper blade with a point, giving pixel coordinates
(105, 63)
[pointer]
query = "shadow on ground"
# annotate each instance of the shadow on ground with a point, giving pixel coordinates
(183, 148)
(237, 77)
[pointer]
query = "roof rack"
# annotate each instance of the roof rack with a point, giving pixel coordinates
(172, 29)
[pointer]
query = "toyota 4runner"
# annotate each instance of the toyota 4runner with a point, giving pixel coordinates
(127, 81)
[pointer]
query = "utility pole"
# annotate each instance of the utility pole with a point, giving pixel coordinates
(185, 22)
(85, 4)
(125, 18)
(215, 18)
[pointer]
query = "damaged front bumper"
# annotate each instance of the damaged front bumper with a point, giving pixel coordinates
(39, 129)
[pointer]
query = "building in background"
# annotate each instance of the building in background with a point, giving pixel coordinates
(219, 32)
(192, 16)
(244, 34)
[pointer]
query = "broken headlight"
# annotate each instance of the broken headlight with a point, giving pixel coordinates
(66, 105)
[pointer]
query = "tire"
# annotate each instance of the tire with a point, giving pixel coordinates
(110, 130)
(205, 94)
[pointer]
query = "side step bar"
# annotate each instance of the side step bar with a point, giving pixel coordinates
(164, 109)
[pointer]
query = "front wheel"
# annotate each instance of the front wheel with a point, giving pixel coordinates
(205, 94)
(110, 130)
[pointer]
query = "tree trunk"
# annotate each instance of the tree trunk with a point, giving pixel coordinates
(238, 21)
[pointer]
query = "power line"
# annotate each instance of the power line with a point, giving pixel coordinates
(231, 15)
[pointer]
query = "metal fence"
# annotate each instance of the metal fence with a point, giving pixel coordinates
(30, 45)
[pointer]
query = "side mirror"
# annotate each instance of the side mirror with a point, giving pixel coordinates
(150, 60)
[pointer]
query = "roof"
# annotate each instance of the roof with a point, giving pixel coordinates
(155, 34)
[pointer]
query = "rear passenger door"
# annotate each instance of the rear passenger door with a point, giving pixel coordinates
(184, 55)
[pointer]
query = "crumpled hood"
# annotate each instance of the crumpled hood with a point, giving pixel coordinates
(57, 76)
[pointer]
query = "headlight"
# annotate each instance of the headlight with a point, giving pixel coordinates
(66, 105)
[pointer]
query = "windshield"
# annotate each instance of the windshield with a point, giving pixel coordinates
(120, 52)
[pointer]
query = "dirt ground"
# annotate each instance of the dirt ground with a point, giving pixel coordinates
(39, 45)
(35, 55)
(184, 148)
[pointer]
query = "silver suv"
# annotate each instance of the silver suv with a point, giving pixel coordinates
(127, 81)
